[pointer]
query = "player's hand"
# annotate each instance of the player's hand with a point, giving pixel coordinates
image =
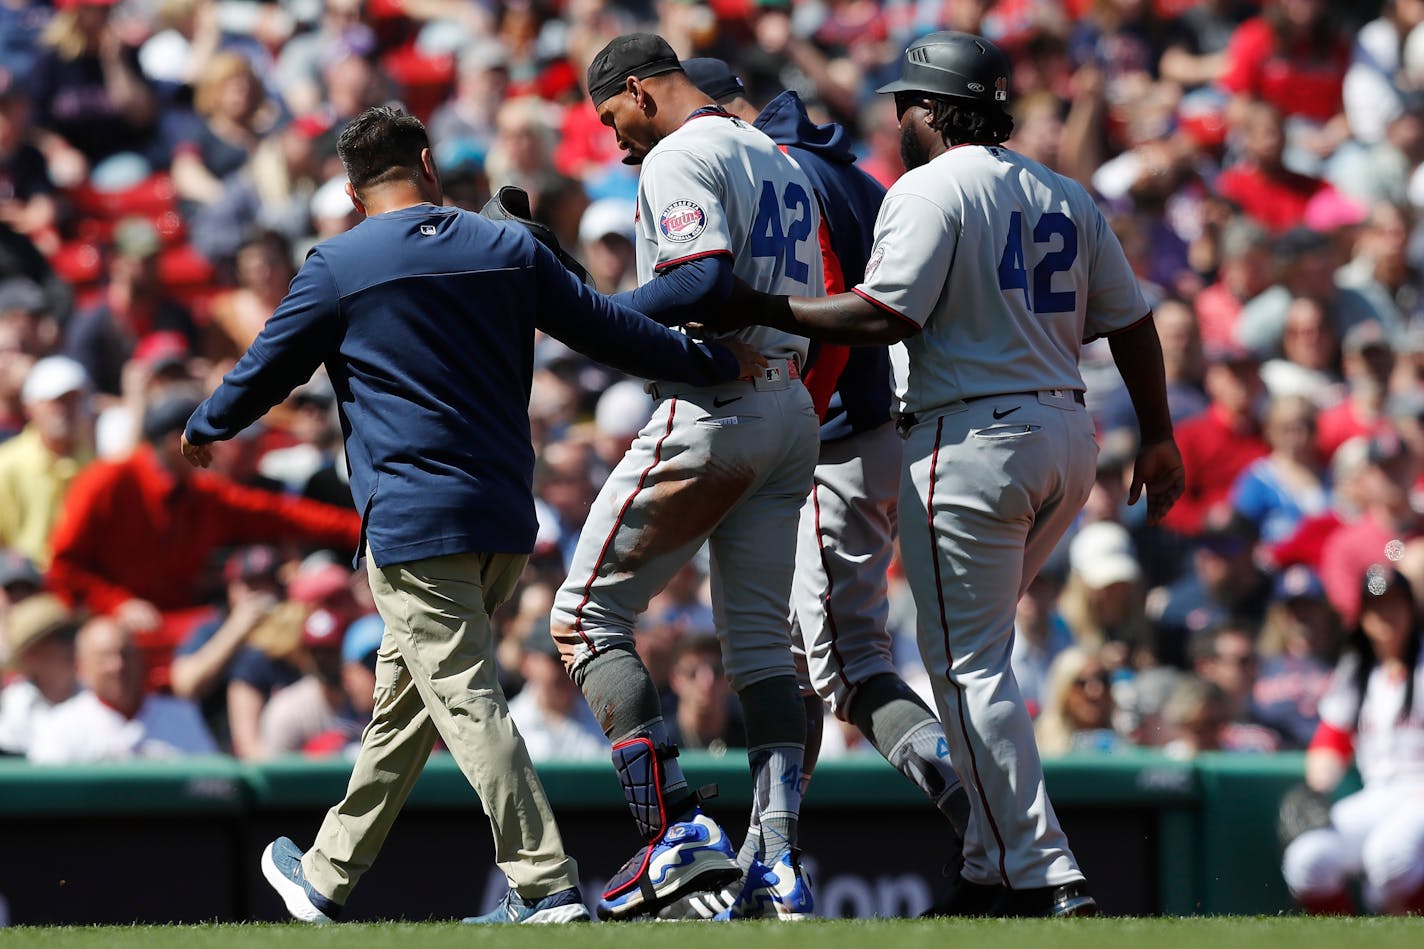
(750, 363)
(199, 456)
(1159, 469)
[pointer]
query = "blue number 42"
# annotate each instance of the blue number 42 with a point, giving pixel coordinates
(1014, 276)
(770, 239)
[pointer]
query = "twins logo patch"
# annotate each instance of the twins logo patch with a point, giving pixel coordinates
(682, 221)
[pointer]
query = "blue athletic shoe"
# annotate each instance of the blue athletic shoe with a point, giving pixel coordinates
(778, 889)
(693, 855)
(282, 866)
(565, 906)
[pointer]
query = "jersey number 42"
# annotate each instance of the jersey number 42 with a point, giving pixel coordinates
(770, 239)
(1014, 276)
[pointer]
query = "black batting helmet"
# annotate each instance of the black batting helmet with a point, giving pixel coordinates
(954, 65)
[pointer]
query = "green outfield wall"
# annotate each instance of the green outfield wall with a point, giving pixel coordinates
(179, 841)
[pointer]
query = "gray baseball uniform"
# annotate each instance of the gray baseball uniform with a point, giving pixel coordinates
(1007, 267)
(728, 464)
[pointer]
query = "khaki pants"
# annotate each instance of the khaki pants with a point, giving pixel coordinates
(435, 674)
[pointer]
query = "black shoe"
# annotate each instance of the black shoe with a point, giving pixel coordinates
(967, 898)
(1069, 899)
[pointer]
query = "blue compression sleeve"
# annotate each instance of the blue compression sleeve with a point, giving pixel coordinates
(678, 295)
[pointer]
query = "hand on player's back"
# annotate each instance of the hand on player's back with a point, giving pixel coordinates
(1158, 469)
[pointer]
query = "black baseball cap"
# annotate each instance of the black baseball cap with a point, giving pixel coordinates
(714, 77)
(641, 55)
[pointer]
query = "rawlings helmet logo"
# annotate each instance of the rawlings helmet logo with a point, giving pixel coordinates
(682, 221)
(976, 87)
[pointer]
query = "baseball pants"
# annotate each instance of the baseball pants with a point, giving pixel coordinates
(729, 465)
(843, 551)
(435, 675)
(982, 504)
(1377, 834)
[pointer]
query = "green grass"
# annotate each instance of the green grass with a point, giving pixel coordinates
(1204, 933)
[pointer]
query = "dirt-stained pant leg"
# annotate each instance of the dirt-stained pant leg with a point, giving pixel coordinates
(982, 504)
(843, 551)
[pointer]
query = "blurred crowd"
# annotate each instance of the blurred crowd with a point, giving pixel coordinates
(164, 165)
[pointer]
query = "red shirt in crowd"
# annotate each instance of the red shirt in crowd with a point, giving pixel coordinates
(1274, 201)
(1218, 312)
(1214, 452)
(1340, 423)
(1295, 79)
(131, 529)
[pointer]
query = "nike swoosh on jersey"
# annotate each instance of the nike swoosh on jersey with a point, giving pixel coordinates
(998, 415)
(720, 403)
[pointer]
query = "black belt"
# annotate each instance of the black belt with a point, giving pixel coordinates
(904, 421)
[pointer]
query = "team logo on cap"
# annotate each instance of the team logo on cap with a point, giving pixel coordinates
(682, 221)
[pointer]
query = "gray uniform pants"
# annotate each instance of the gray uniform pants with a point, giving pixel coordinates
(435, 674)
(729, 465)
(982, 504)
(843, 551)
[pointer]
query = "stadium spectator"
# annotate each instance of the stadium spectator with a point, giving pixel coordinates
(134, 538)
(1277, 492)
(1374, 87)
(1224, 582)
(18, 579)
(549, 711)
(1368, 362)
(1040, 634)
(1298, 646)
(27, 201)
(91, 101)
(463, 128)
(1306, 267)
(1225, 656)
(1376, 835)
(1382, 272)
(115, 718)
(1194, 718)
(227, 664)
(1103, 599)
(1387, 521)
(1078, 706)
(705, 713)
(39, 642)
(299, 65)
(1220, 443)
(324, 711)
(233, 114)
(1245, 271)
(133, 306)
(1260, 183)
(37, 465)
(606, 234)
(1309, 364)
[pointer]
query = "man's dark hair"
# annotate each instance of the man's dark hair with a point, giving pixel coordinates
(381, 145)
(960, 121)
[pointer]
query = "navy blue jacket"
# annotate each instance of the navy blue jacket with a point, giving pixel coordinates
(425, 319)
(850, 200)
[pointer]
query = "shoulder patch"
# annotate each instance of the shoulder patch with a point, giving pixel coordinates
(682, 221)
(873, 264)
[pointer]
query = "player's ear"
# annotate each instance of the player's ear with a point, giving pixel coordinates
(639, 94)
(355, 199)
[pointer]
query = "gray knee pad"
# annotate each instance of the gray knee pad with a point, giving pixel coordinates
(619, 690)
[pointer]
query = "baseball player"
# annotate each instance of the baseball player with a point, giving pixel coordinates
(991, 270)
(729, 465)
(843, 549)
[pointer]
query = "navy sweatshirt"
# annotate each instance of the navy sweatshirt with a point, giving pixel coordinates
(850, 201)
(424, 318)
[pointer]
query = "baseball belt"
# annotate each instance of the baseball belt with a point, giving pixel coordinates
(904, 421)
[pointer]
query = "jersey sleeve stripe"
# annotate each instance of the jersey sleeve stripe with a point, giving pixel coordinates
(1329, 738)
(698, 256)
(886, 307)
(1129, 327)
